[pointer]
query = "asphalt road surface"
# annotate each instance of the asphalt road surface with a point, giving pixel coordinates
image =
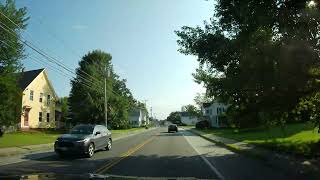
(155, 153)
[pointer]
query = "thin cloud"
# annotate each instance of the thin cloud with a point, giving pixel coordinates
(79, 27)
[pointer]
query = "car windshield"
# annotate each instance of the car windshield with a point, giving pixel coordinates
(82, 130)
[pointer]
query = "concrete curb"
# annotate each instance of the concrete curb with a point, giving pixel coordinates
(12, 151)
(272, 159)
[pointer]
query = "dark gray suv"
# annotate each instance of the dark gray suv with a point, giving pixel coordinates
(84, 139)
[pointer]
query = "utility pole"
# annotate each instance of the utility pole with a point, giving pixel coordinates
(105, 96)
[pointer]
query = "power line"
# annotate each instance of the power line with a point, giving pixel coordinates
(55, 69)
(47, 56)
(40, 49)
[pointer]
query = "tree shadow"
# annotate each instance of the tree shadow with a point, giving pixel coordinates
(230, 165)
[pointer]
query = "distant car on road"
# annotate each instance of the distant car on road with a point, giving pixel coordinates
(84, 139)
(202, 125)
(172, 127)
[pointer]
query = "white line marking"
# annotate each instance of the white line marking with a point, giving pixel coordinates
(220, 176)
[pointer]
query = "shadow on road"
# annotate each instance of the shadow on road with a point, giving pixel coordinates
(179, 133)
(231, 165)
(51, 156)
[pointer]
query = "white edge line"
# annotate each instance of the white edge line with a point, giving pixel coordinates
(205, 160)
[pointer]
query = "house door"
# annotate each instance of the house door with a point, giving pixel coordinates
(26, 117)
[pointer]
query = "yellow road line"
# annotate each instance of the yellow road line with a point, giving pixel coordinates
(123, 156)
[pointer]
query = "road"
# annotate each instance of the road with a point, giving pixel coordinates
(156, 153)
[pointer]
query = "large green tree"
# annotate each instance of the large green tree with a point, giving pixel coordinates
(87, 94)
(192, 110)
(174, 117)
(11, 53)
(261, 57)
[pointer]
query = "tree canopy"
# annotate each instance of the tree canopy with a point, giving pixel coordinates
(174, 117)
(11, 53)
(260, 57)
(192, 110)
(87, 101)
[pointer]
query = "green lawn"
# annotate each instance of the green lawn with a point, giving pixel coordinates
(18, 139)
(295, 138)
(127, 130)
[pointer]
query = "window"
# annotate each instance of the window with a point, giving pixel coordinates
(41, 97)
(31, 95)
(40, 116)
(48, 117)
(217, 110)
(48, 99)
(207, 111)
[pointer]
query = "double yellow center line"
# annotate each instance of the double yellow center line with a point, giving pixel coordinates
(123, 156)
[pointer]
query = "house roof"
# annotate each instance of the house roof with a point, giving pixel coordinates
(27, 77)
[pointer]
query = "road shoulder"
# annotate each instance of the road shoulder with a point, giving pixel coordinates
(285, 163)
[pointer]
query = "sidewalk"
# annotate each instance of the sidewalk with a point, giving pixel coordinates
(17, 154)
(287, 164)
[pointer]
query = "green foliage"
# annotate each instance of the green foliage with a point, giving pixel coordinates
(201, 98)
(257, 56)
(63, 103)
(11, 53)
(174, 117)
(18, 139)
(192, 110)
(87, 103)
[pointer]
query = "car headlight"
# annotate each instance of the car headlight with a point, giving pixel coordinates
(83, 140)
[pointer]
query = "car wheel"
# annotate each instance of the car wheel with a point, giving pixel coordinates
(90, 150)
(109, 145)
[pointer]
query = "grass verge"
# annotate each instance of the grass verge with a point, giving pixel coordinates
(300, 139)
(127, 130)
(18, 139)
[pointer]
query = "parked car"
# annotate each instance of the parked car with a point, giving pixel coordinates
(172, 127)
(84, 139)
(202, 125)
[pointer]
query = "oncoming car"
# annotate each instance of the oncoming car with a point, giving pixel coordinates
(172, 127)
(84, 139)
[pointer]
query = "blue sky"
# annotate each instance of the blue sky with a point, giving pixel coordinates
(139, 34)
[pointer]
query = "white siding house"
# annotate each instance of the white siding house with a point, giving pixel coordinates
(187, 119)
(212, 112)
(138, 117)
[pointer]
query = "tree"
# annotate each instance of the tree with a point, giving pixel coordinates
(174, 117)
(261, 57)
(87, 101)
(64, 108)
(201, 98)
(192, 110)
(11, 53)
(87, 94)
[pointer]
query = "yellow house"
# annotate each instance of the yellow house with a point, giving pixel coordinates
(38, 100)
